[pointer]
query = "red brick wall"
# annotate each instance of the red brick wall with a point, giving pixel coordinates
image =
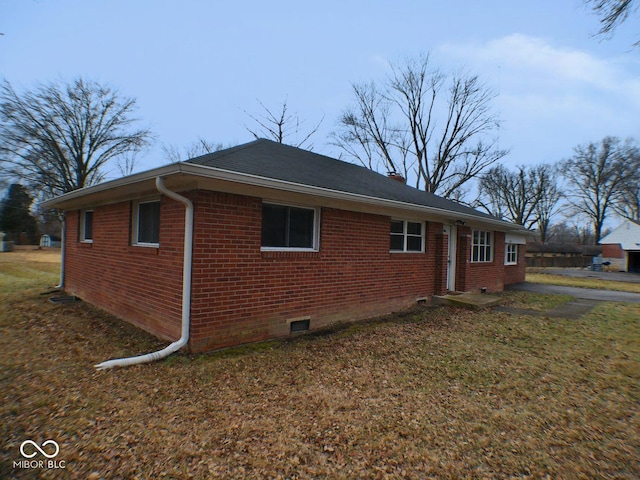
(612, 250)
(516, 273)
(241, 294)
(142, 285)
(473, 276)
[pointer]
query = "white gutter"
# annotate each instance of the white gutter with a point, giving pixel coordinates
(186, 289)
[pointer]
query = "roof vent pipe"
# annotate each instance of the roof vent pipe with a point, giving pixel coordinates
(186, 289)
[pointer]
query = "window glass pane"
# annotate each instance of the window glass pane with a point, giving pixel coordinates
(397, 242)
(274, 225)
(414, 228)
(407, 236)
(397, 226)
(88, 226)
(301, 222)
(482, 250)
(414, 244)
(149, 222)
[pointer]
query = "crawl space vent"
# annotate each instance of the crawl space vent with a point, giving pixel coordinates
(299, 325)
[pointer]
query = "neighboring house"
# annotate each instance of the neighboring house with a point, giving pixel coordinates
(283, 240)
(560, 254)
(621, 247)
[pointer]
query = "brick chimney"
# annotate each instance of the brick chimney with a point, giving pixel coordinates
(397, 177)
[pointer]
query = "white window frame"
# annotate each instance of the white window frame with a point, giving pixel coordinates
(83, 220)
(484, 244)
(511, 254)
(136, 214)
(406, 235)
(316, 229)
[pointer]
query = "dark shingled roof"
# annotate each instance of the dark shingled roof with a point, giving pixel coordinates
(268, 159)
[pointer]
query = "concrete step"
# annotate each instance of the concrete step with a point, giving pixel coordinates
(472, 301)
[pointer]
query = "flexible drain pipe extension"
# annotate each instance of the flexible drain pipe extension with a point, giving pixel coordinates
(186, 289)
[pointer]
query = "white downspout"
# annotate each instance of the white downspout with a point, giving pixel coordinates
(63, 242)
(186, 289)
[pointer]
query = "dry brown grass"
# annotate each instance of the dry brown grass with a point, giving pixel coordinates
(432, 393)
(31, 255)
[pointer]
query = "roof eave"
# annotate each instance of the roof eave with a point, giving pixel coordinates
(204, 171)
(63, 199)
(259, 181)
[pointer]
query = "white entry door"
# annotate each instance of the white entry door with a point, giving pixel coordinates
(452, 234)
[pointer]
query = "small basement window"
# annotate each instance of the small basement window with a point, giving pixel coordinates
(146, 223)
(299, 325)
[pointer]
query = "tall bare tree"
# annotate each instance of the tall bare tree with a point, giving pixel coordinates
(59, 137)
(612, 13)
(196, 148)
(282, 126)
(527, 196)
(550, 195)
(422, 121)
(596, 176)
(627, 204)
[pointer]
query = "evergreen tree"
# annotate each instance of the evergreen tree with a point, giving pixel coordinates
(15, 216)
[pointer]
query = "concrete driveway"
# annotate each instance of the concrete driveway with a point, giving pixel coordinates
(584, 273)
(585, 293)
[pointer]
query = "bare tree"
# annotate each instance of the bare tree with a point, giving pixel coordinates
(527, 196)
(59, 137)
(422, 121)
(628, 203)
(281, 126)
(550, 195)
(596, 176)
(126, 163)
(612, 13)
(196, 148)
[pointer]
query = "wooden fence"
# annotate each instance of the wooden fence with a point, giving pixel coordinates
(560, 262)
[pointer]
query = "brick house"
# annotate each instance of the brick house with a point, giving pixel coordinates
(282, 240)
(621, 247)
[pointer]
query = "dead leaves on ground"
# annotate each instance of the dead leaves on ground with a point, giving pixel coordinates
(434, 393)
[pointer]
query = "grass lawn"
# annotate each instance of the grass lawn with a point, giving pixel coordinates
(430, 393)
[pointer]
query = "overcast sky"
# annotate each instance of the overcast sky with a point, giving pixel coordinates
(196, 66)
